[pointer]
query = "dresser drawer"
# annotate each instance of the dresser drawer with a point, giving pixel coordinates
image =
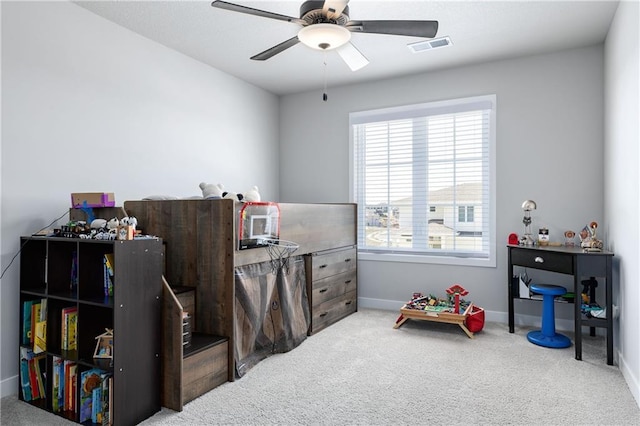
(332, 310)
(332, 287)
(335, 262)
(541, 259)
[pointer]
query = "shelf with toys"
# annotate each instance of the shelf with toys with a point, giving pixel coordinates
(71, 308)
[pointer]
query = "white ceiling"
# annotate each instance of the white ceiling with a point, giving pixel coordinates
(479, 30)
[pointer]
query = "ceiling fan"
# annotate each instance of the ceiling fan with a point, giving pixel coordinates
(326, 25)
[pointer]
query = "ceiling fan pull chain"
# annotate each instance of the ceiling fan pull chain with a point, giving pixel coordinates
(324, 94)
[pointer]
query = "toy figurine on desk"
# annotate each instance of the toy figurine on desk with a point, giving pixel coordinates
(588, 240)
(568, 238)
(526, 239)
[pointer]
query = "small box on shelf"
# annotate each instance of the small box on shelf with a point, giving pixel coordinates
(92, 199)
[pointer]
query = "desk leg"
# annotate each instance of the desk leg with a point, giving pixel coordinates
(510, 293)
(609, 310)
(577, 302)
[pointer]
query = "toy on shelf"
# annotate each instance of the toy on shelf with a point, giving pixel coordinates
(104, 344)
(568, 238)
(212, 191)
(527, 206)
(588, 239)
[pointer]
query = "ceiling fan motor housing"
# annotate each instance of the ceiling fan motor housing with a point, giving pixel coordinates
(311, 13)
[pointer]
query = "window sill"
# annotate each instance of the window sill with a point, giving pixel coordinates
(438, 260)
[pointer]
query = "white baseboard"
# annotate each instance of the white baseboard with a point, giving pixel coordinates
(9, 386)
(633, 381)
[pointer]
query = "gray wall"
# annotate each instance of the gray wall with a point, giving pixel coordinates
(549, 149)
(90, 106)
(622, 192)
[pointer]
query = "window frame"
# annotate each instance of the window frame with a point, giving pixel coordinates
(407, 111)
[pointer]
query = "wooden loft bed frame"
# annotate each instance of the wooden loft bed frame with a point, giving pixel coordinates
(200, 238)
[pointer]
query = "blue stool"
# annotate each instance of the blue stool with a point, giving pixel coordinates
(548, 337)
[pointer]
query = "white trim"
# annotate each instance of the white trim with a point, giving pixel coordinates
(487, 102)
(9, 386)
(489, 262)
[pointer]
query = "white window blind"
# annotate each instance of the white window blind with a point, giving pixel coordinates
(423, 180)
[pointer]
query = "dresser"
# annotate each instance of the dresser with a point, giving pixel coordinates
(331, 285)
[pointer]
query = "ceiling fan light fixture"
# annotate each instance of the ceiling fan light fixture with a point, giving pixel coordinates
(324, 36)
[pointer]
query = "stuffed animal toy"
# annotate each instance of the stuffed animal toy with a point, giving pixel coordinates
(252, 195)
(233, 196)
(129, 221)
(113, 223)
(210, 190)
(98, 223)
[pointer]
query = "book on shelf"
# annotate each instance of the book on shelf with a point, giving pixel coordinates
(39, 326)
(26, 322)
(70, 397)
(72, 331)
(69, 328)
(57, 384)
(26, 355)
(96, 405)
(36, 377)
(41, 372)
(61, 391)
(73, 284)
(73, 384)
(90, 380)
(35, 317)
(106, 398)
(40, 341)
(109, 270)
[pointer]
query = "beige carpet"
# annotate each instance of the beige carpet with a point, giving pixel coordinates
(362, 371)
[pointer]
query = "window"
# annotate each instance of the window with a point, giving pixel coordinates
(465, 213)
(423, 179)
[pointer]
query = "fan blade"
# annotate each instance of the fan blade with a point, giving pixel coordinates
(405, 28)
(352, 56)
(272, 51)
(257, 12)
(332, 9)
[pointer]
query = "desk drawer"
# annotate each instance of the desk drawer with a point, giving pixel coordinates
(541, 259)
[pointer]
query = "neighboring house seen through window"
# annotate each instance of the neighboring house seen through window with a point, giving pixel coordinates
(424, 182)
(465, 213)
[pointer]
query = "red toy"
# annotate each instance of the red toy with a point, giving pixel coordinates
(457, 291)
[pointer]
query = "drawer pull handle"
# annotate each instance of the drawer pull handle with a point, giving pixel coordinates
(348, 303)
(348, 259)
(323, 290)
(538, 259)
(347, 281)
(324, 314)
(323, 266)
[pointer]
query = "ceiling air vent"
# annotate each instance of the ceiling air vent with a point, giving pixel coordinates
(435, 43)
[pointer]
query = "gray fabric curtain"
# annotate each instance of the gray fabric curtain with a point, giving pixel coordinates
(272, 311)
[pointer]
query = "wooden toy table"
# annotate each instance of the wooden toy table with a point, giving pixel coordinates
(446, 317)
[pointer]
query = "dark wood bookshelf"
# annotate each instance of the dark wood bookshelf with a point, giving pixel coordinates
(133, 312)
